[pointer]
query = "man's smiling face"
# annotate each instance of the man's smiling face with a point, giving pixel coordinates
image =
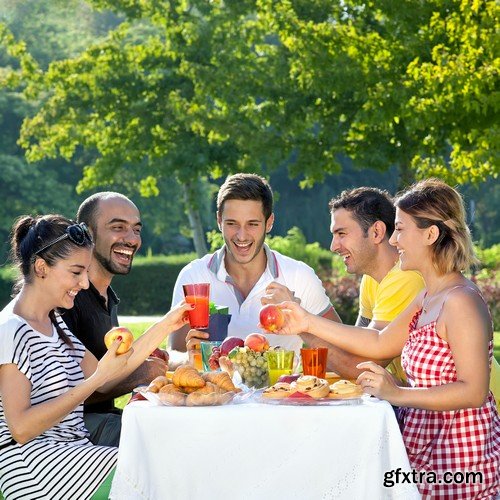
(244, 229)
(117, 234)
(351, 243)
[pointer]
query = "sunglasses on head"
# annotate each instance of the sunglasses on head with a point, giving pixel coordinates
(77, 233)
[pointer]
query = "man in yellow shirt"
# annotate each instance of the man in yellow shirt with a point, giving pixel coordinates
(362, 221)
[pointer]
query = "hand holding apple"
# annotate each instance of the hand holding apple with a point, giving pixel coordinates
(271, 318)
(296, 319)
(119, 333)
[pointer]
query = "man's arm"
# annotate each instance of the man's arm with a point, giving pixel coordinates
(342, 362)
(178, 339)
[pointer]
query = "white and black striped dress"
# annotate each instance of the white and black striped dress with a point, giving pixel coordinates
(61, 463)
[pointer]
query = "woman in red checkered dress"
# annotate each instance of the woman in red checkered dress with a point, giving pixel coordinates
(464, 440)
(445, 336)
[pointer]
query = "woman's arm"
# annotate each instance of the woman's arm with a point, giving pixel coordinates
(367, 342)
(465, 324)
(26, 421)
(142, 347)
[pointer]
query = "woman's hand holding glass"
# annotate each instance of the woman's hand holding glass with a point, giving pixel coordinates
(177, 317)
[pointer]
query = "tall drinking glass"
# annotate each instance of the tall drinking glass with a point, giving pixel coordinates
(314, 361)
(199, 295)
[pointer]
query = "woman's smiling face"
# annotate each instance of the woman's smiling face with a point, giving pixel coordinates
(411, 242)
(67, 277)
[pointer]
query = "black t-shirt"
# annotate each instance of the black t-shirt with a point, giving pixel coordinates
(89, 320)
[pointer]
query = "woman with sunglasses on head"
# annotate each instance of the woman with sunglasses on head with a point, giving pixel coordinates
(46, 373)
(445, 338)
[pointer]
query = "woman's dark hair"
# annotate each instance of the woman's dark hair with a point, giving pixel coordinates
(43, 237)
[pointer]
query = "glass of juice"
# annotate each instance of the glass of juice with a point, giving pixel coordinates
(198, 294)
(279, 362)
(314, 361)
(195, 359)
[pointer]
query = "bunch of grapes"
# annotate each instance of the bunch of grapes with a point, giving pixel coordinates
(252, 366)
(213, 360)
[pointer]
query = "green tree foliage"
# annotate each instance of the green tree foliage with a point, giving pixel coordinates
(187, 89)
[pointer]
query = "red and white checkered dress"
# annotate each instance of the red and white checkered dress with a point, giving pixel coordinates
(448, 441)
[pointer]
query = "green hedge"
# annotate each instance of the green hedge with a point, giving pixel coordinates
(147, 290)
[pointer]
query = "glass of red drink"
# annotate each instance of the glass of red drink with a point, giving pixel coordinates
(314, 361)
(199, 295)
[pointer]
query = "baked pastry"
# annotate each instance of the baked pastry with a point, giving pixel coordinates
(278, 391)
(172, 394)
(157, 383)
(345, 389)
(197, 398)
(210, 388)
(222, 380)
(312, 386)
(187, 376)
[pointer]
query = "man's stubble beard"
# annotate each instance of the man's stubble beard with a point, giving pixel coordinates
(258, 248)
(108, 265)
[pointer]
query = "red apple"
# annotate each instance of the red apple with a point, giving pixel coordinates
(271, 318)
(257, 342)
(229, 343)
(125, 336)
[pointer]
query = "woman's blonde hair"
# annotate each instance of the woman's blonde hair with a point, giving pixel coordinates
(432, 202)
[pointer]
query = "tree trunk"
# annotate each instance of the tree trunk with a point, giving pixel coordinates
(193, 212)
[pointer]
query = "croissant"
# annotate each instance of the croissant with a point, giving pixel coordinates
(209, 388)
(157, 383)
(187, 376)
(212, 399)
(222, 380)
(172, 394)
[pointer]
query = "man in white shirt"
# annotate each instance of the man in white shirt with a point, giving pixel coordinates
(245, 274)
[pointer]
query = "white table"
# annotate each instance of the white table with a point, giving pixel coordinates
(260, 451)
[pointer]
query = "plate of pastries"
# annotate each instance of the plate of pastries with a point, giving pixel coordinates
(311, 390)
(187, 387)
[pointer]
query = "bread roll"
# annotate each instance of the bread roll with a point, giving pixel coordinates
(345, 389)
(312, 386)
(278, 391)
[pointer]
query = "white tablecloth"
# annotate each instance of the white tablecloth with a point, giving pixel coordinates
(260, 451)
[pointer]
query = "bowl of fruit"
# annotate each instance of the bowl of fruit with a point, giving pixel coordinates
(250, 361)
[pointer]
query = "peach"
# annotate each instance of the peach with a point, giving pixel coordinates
(271, 318)
(257, 342)
(121, 333)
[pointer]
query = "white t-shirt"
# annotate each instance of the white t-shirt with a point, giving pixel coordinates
(295, 275)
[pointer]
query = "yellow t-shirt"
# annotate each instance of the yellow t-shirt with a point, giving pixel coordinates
(385, 300)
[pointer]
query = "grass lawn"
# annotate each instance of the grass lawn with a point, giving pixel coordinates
(496, 345)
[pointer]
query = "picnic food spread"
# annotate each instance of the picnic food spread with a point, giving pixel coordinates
(190, 388)
(314, 387)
